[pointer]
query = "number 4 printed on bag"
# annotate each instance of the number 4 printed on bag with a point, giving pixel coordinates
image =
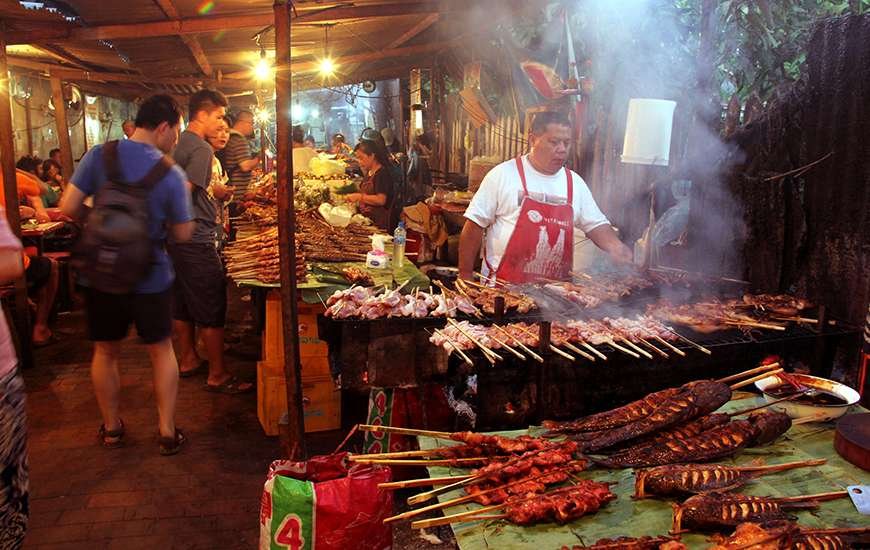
(289, 534)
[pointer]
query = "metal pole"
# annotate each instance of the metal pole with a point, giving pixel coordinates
(28, 123)
(10, 193)
(287, 232)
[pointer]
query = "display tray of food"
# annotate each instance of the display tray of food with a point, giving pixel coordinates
(691, 482)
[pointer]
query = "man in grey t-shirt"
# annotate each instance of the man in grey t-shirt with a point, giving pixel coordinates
(200, 298)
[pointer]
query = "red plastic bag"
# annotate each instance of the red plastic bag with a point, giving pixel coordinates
(322, 504)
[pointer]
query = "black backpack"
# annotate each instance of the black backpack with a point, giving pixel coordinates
(115, 251)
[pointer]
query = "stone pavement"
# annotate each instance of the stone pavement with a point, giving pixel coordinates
(86, 496)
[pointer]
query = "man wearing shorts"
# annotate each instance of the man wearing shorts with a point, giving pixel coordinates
(200, 288)
(149, 306)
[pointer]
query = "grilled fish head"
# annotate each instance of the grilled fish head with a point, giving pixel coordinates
(769, 425)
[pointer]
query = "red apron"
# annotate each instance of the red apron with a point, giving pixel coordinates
(542, 244)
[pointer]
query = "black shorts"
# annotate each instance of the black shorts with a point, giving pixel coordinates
(200, 295)
(38, 272)
(110, 315)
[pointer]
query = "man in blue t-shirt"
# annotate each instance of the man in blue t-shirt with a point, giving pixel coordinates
(149, 307)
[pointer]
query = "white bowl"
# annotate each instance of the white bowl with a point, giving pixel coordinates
(801, 410)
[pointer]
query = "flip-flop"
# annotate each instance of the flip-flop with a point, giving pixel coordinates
(203, 364)
(229, 387)
(117, 435)
(171, 445)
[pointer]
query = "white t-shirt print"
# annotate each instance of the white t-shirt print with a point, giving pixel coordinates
(496, 205)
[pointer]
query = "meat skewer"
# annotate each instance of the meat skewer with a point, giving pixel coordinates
(560, 505)
(422, 482)
(551, 453)
(520, 343)
(456, 348)
(682, 479)
(502, 492)
(716, 510)
(491, 355)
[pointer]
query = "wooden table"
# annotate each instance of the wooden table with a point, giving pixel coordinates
(39, 233)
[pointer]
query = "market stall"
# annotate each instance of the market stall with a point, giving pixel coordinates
(707, 457)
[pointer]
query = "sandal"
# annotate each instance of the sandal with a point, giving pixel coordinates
(194, 371)
(232, 386)
(112, 439)
(171, 445)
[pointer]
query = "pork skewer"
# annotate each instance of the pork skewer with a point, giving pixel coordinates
(456, 348)
(682, 479)
(491, 355)
(422, 482)
(520, 344)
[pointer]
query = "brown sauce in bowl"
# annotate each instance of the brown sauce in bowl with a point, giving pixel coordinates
(818, 397)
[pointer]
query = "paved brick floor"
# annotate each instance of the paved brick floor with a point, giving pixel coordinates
(85, 496)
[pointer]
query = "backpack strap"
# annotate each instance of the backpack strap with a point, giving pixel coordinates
(110, 161)
(157, 173)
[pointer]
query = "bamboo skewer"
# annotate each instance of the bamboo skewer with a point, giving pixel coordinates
(468, 497)
(406, 431)
(636, 348)
(756, 324)
(520, 344)
(508, 347)
(422, 462)
(455, 347)
(768, 404)
(699, 347)
(397, 454)
(553, 348)
(616, 346)
(754, 379)
(578, 351)
(594, 350)
(423, 482)
(673, 348)
(739, 375)
(434, 522)
(820, 497)
(649, 344)
(491, 355)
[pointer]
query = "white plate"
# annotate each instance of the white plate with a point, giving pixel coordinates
(801, 410)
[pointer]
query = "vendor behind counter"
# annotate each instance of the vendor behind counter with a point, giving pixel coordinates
(377, 197)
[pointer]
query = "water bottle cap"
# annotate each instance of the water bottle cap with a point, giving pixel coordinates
(402, 224)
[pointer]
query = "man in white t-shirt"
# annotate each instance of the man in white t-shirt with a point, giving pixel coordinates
(302, 154)
(523, 210)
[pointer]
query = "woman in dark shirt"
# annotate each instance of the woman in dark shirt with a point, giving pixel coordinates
(377, 190)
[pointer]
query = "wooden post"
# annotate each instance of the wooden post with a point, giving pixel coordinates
(62, 128)
(10, 193)
(28, 124)
(287, 233)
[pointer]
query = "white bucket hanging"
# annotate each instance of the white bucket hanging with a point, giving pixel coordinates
(648, 131)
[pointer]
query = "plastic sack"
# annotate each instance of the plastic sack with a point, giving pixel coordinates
(321, 504)
(322, 166)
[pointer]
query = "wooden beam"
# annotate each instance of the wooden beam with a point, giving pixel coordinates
(192, 43)
(196, 25)
(295, 429)
(421, 26)
(67, 73)
(63, 140)
(311, 66)
(10, 194)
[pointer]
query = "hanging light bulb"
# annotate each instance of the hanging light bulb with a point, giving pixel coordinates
(263, 69)
(326, 67)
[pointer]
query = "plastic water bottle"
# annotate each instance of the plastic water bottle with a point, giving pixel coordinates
(399, 236)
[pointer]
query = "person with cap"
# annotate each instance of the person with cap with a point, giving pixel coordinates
(340, 148)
